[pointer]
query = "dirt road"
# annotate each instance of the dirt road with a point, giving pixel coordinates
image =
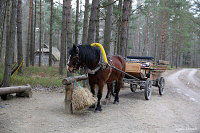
(178, 110)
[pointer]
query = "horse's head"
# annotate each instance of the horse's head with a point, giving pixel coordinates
(83, 56)
(73, 61)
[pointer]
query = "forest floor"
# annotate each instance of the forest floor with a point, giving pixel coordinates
(178, 110)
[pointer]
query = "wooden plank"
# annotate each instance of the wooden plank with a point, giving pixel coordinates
(133, 67)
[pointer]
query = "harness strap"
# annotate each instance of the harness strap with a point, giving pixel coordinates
(110, 71)
(93, 71)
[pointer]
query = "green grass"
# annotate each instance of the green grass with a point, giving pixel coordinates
(43, 76)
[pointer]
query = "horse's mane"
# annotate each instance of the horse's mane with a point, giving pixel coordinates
(89, 55)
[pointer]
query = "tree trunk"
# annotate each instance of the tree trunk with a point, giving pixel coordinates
(145, 51)
(124, 25)
(50, 38)
(35, 18)
(85, 23)
(97, 39)
(2, 8)
(69, 31)
(19, 34)
(77, 22)
(69, 24)
(29, 47)
(2, 32)
(10, 40)
(92, 23)
(154, 39)
(31, 34)
(85, 31)
(63, 38)
(129, 14)
(108, 25)
(163, 35)
(115, 42)
(40, 36)
(119, 27)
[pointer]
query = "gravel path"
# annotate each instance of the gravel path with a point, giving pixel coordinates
(178, 110)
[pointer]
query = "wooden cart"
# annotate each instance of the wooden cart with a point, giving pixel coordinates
(145, 74)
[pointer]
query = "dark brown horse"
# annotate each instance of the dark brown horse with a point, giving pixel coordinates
(89, 57)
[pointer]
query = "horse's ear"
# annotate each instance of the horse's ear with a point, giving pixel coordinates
(75, 48)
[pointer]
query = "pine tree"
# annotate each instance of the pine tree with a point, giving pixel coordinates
(92, 23)
(40, 35)
(63, 38)
(77, 22)
(50, 39)
(19, 34)
(85, 23)
(10, 40)
(108, 25)
(124, 25)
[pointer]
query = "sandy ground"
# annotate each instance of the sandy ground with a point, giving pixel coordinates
(178, 110)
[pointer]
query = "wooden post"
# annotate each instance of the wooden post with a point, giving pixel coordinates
(69, 87)
(68, 98)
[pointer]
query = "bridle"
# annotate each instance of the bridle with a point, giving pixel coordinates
(76, 62)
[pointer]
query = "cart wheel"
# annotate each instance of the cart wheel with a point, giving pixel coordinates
(147, 89)
(161, 85)
(133, 87)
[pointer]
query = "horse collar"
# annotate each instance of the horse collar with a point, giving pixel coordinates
(100, 66)
(90, 71)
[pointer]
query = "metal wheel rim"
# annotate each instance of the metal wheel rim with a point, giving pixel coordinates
(133, 87)
(148, 91)
(161, 85)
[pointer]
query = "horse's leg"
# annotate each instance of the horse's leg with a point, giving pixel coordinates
(109, 86)
(117, 89)
(99, 96)
(108, 96)
(92, 87)
(115, 86)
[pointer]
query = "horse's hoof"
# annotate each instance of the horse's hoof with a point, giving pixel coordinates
(97, 110)
(106, 102)
(92, 106)
(90, 109)
(116, 102)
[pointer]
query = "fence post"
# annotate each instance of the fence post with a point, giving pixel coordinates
(68, 98)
